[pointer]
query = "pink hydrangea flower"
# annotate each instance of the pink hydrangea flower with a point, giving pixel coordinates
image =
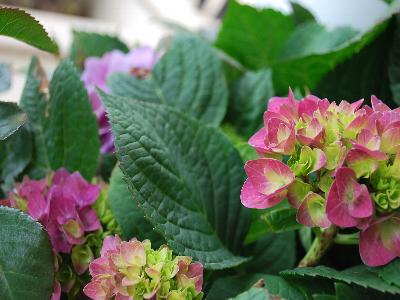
(139, 62)
(336, 164)
(132, 270)
(62, 206)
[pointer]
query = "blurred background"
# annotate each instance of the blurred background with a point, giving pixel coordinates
(147, 21)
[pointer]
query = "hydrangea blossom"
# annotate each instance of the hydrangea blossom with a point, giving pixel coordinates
(62, 204)
(139, 62)
(133, 270)
(336, 164)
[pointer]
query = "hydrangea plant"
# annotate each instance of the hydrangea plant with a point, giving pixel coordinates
(133, 270)
(337, 164)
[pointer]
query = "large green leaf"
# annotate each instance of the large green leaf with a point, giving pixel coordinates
(129, 216)
(253, 36)
(394, 64)
(300, 14)
(249, 98)
(72, 132)
(391, 273)
(33, 102)
(253, 294)
(11, 118)
(352, 79)
(26, 258)
(273, 253)
(312, 51)
(347, 292)
(185, 176)
(17, 154)
(22, 26)
(226, 287)
(189, 77)
(86, 44)
(360, 275)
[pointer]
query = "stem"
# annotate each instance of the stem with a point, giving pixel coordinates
(347, 239)
(320, 245)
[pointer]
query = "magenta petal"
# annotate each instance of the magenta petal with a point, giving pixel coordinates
(89, 219)
(195, 270)
(100, 266)
(84, 193)
(257, 141)
(311, 212)
(269, 176)
(362, 206)
(95, 290)
(38, 207)
(251, 198)
(56, 291)
(348, 201)
(372, 251)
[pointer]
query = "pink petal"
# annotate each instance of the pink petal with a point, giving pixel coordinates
(110, 243)
(195, 270)
(361, 162)
(257, 141)
(391, 234)
(378, 105)
(95, 290)
(348, 201)
(84, 192)
(251, 198)
(308, 105)
(390, 140)
(133, 253)
(100, 266)
(56, 291)
(89, 219)
(311, 212)
(372, 251)
(268, 176)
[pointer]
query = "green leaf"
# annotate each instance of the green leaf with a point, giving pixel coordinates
(253, 294)
(300, 14)
(11, 118)
(72, 132)
(359, 275)
(86, 44)
(226, 287)
(394, 64)
(189, 77)
(17, 152)
(249, 98)
(185, 176)
(26, 258)
(129, 216)
(272, 253)
(252, 36)
(352, 78)
(22, 26)
(5, 77)
(312, 51)
(391, 273)
(280, 220)
(33, 102)
(347, 292)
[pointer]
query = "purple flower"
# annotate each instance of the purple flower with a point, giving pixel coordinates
(63, 207)
(139, 62)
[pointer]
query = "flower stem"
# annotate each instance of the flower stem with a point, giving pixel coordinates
(320, 245)
(347, 239)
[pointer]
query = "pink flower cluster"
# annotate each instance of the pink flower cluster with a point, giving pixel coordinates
(336, 164)
(62, 204)
(132, 270)
(139, 62)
